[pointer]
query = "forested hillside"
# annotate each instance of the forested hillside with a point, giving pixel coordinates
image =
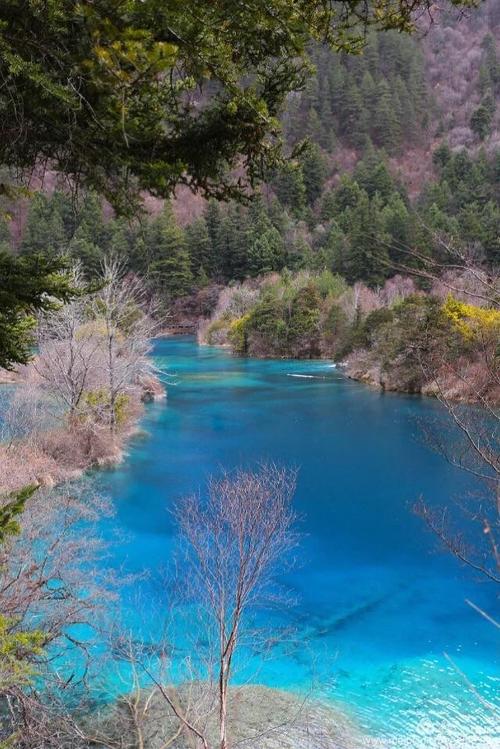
(394, 162)
(381, 126)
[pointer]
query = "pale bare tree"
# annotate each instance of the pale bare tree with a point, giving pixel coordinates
(234, 539)
(69, 345)
(128, 323)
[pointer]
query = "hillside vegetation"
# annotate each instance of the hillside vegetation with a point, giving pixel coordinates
(400, 174)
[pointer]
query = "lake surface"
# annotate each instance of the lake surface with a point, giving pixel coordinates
(378, 604)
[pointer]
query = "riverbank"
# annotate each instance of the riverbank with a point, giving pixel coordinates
(463, 381)
(49, 456)
(397, 338)
(258, 716)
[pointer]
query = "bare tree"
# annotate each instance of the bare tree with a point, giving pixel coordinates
(53, 583)
(128, 321)
(473, 444)
(234, 540)
(68, 351)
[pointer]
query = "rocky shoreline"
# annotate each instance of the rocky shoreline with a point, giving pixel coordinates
(467, 382)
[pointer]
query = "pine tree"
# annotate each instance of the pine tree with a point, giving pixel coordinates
(213, 221)
(266, 252)
(405, 111)
(86, 253)
(371, 52)
(396, 224)
(489, 232)
(386, 129)
(368, 91)
(90, 220)
(44, 230)
(170, 269)
(352, 115)
(372, 175)
(290, 189)
(314, 170)
(90, 238)
(232, 243)
(368, 257)
(199, 247)
(482, 119)
(265, 247)
(490, 60)
(313, 128)
(347, 194)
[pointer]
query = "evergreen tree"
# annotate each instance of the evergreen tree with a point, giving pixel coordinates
(265, 247)
(213, 221)
(44, 230)
(232, 242)
(85, 252)
(200, 247)
(347, 194)
(266, 252)
(314, 170)
(352, 115)
(368, 256)
(386, 129)
(372, 175)
(290, 188)
(397, 225)
(88, 242)
(170, 269)
(482, 118)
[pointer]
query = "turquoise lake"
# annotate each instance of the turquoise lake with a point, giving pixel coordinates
(378, 604)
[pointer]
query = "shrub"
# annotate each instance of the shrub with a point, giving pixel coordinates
(238, 334)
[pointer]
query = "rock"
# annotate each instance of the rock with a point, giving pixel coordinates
(152, 389)
(46, 480)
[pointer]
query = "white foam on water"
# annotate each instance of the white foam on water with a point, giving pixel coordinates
(306, 376)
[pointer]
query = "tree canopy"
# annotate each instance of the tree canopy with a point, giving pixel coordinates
(126, 96)
(28, 284)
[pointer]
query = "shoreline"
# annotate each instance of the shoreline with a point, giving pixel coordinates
(371, 375)
(61, 454)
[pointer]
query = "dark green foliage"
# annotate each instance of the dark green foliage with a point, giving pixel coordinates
(386, 124)
(104, 91)
(169, 268)
(314, 172)
(11, 507)
(464, 203)
(415, 329)
(290, 189)
(27, 284)
(482, 117)
(45, 229)
(199, 247)
(368, 255)
(380, 95)
(285, 322)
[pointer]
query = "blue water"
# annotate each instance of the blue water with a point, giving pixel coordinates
(378, 604)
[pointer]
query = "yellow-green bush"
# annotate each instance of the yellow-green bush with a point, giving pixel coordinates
(98, 402)
(471, 321)
(238, 334)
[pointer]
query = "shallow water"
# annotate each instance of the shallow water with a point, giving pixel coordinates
(378, 605)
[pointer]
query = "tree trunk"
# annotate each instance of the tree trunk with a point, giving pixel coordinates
(223, 677)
